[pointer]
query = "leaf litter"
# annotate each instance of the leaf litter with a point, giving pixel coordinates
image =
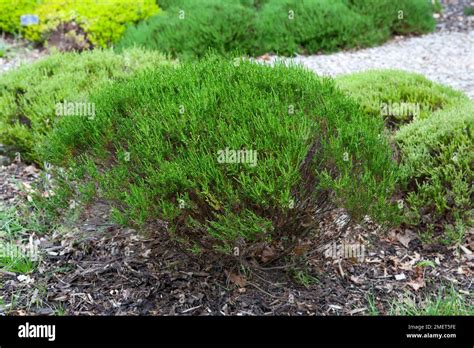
(96, 267)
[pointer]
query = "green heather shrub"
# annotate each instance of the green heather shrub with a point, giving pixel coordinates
(254, 3)
(286, 27)
(397, 17)
(416, 16)
(228, 153)
(165, 4)
(11, 11)
(435, 146)
(307, 26)
(103, 22)
(397, 95)
(28, 95)
(438, 171)
(469, 11)
(191, 29)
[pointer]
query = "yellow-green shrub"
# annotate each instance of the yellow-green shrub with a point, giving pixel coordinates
(11, 11)
(103, 21)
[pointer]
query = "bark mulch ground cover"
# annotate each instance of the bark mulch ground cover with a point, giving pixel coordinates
(91, 266)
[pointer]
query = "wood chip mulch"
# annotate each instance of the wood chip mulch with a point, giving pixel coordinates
(94, 267)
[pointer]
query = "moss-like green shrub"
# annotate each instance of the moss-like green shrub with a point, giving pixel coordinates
(166, 4)
(432, 127)
(11, 11)
(307, 26)
(192, 28)
(229, 154)
(286, 27)
(256, 4)
(414, 17)
(100, 22)
(469, 11)
(438, 167)
(397, 95)
(29, 95)
(397, 17)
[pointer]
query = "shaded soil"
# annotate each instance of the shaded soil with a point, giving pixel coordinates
(95, 267)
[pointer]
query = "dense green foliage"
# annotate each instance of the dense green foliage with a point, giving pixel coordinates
(29, 95)
(165, 4)
(290, 26)
(308, 26)
(397, 17)
(193, 28)
(189, 28)
(447, 301)
(156, 148)
(433, 131)
(469, 11)
(15, 252)
(397, 95)
(438, 166)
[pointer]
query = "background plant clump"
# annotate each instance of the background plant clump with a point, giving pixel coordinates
(434, 147)
(376, 89)
(438, 166)
(29, 95)
(286, 27)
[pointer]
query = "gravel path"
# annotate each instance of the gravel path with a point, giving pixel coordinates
(16, 53)
(445, 57)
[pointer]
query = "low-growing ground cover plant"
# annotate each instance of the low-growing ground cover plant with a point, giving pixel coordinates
(438, 165)
(99, 23)
(433, 132)
(447, 301)
(398, 96)
(16, 254)
(32, 97)
(285, 27)
(229, 154)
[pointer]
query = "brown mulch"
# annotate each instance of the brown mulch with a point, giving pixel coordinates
(95, 267)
